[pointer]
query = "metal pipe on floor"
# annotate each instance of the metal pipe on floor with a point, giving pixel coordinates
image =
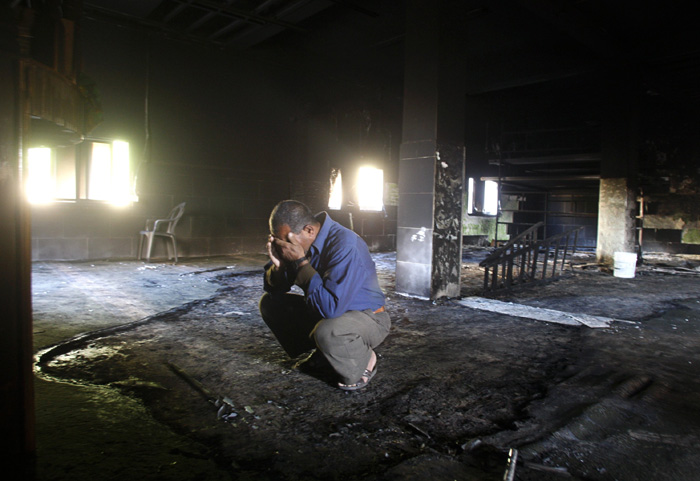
(509, 475)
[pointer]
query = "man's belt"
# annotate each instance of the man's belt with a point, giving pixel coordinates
(381, 309)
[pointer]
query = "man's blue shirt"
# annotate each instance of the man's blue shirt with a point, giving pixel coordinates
(345, 277)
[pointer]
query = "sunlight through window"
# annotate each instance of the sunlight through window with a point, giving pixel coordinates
(335, 200)
(370, 188)
(120, 191)
(100, 169)
(470, 196)
(94, 170)
(110, 176)
(41, 181)
(490, 197)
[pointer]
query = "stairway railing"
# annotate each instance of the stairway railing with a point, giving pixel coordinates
(526, 259)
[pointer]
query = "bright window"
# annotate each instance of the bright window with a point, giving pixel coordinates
(490, 197)
(99, 185)
(470, 196)
(121, 173)
(335, 199)
(370, 188)
(92, 170)
(41, 182)
(109, 176)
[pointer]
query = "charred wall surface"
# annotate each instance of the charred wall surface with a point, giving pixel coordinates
(670, 180)
(230, 133)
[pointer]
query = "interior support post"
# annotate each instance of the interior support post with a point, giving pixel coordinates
(618, 184)
(431, 169)
(16, 350)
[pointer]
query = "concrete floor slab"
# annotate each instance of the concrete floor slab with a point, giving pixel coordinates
(456, 388)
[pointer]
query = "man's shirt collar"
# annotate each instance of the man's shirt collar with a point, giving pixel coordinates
(322, 235)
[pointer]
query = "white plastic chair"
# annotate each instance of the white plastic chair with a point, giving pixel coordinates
(163, 228)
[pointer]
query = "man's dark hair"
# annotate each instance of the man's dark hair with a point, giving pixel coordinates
(292, 213)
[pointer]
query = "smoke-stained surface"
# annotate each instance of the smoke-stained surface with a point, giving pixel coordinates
(447, 233)
(456, 387)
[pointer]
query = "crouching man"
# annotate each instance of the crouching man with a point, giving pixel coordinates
(342, 310)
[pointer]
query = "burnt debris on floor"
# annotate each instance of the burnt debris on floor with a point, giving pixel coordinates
(458, 389)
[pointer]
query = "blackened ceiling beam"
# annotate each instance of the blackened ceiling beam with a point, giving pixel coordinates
(268, 25)
(550, 159)
(103, 14)
(247, 16)
(559, 178)
(238, 23)
(295, 11)
(176, 11)
(355, 7)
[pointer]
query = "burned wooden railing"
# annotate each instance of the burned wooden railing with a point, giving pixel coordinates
(525, 259)
(503, 258)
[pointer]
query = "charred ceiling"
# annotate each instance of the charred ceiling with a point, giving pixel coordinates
(229, 23)
(545, 65)
(509, 43)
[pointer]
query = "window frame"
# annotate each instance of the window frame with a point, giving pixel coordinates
(80, 181)
(378, 184)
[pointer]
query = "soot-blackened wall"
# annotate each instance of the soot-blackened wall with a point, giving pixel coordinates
(228, 133)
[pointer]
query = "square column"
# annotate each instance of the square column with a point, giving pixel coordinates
(617, 210)
(617, 204)
(429, 233)
(17, 441)
(431, 169)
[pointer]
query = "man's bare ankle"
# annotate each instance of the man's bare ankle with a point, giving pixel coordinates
(372, 361)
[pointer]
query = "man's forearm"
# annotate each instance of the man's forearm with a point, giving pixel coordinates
(304, 275)
(275, 278)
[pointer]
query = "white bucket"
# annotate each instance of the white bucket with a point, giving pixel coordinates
(625, 264)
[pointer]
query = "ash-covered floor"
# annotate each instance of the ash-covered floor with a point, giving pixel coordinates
(128, 354)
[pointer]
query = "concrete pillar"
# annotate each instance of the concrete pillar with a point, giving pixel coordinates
(16, 350)
(617, 207)
(616, 218)
(431, 169)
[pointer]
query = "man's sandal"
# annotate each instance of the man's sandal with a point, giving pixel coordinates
(361, 383)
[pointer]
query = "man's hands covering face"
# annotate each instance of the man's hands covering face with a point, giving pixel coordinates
(283, 252)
